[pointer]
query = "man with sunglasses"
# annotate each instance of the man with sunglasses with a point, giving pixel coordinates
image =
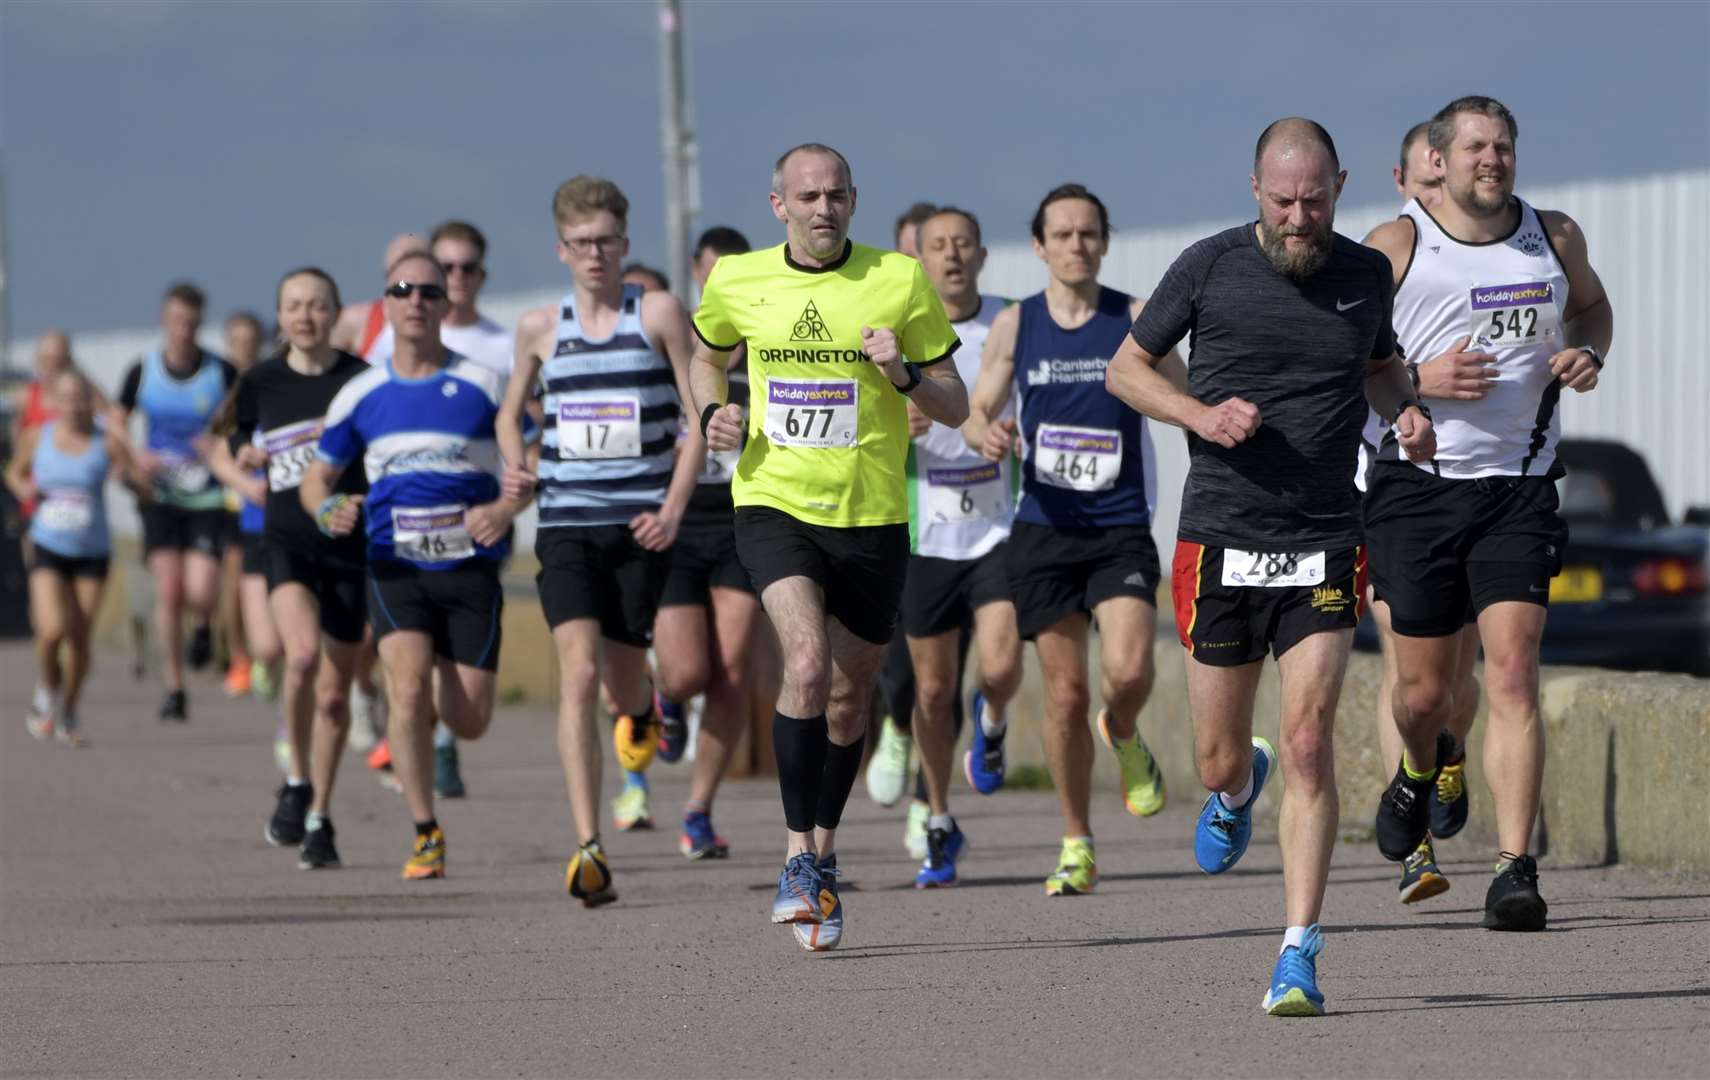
(422, 425)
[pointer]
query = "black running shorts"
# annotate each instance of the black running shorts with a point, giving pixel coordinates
(860, 568)
(173, 528)
(1439, 546)
(1227, 623)
(1055, 573)
(68, 566)
(459, 608)
(254, 553)
(704, 557)
(338, 589)
(600, 572)
(943, 594)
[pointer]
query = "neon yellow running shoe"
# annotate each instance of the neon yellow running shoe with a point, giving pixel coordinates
(1077, 870)
(630, 809)
(1142, 783)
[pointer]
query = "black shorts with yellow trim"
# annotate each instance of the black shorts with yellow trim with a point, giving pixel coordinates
(1227, 625)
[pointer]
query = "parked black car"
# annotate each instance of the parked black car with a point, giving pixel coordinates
(1632, 593)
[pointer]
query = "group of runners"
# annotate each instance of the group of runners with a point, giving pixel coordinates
(897, 471)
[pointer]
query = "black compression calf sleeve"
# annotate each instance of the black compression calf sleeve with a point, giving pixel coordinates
(842, 763)
(800, 747)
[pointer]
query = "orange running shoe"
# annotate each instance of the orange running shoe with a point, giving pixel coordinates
(237, 678)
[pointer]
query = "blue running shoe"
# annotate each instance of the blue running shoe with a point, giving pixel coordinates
(699, 841)
(1294, 981)
(943, 848)
(673, 729)
(826, 933)
(984, 761)
(799, 888)
(1221, 837)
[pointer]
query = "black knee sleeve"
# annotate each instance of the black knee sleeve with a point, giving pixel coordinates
(842, 763)
(800, 747)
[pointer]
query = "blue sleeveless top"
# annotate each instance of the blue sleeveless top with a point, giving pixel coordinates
(1088, 457)
(178, 410)
(71, 514)
(607, 450)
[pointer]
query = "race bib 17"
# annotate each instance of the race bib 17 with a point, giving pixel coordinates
(605, 427)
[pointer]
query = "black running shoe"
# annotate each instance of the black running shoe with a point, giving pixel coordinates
(1513, 902)
(1420, 877)
(285, 828)
(1404, 809)
(447, 777)
(1449, 803)
(175, 707)
(318, 851)
(201, 649)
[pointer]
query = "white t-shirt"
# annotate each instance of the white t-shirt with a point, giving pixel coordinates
(483, 342)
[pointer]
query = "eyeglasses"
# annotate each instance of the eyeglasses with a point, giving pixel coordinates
(401, 290)
(471, 268)
(582, 245)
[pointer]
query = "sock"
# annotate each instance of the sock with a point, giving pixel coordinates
(941, 821)
(635, 779)
(1087, 840)
(670, 710)
(1417, 777)
(993, 723)
(424, 828)
(296, 781)
(842, 764)
(694, 807)
(1294, 935)
(316, 820)
(1237, 800)
(442, 737)
(1458, 754)
(800, 746)
(43, 698)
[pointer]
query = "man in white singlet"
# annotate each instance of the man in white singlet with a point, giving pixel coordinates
(1478, 524)
(960, 508)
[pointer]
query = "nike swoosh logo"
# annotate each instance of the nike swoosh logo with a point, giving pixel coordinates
(1349, 307)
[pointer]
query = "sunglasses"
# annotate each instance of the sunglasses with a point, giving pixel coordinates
(401, 290)
(470, 268)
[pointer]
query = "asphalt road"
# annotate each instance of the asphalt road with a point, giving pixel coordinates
(147, 930)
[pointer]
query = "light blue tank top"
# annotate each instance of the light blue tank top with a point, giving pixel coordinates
(178, 410)
(71, 512)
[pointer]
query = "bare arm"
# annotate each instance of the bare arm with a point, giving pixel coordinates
(23, 460)
(1589, 319)
(126, 468)
(228, 472)
(317, 487)
(1133, 377)
(347, 331)
(709, 384)
(1390, 393)
(534, 331)
(667, 324)
(992, 390)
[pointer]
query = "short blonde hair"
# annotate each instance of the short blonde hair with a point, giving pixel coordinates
(581, 196)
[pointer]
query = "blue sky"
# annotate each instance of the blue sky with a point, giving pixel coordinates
(228, 142)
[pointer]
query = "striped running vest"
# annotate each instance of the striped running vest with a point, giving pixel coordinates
(611, 422)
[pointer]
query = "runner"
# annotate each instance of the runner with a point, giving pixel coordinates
(613, 362)
(177, 387)
(1504, 298)
(422, 424)
(1291, 339)
(361, 326)
(252, 651)
(703, 634)
(1081, 549)
(961, 508)
(313, 583)
(1421, 877)
(646, 277)
(820, 492)
(905, 234)
(65, 462)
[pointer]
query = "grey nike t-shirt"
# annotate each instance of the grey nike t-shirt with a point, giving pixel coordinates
(1297, 350)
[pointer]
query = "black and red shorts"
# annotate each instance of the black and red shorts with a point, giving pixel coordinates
(1229, 612)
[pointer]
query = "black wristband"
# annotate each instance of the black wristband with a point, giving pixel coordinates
(1413, 373)
(913, 378)
(1412, 403)
(707, 415)
(1591, 351)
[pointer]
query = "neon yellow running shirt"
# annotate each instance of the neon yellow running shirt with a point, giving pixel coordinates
(827, 432)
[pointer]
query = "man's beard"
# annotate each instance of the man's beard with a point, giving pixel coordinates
(1478, 205)
(1298, 264)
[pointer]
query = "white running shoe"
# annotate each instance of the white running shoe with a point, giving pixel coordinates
(887, 772)
(367, 715)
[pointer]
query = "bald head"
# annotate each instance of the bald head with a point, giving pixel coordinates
(1295, 139)
(404, 244)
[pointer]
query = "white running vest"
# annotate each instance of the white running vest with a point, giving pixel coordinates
(1509, 296)
(960, 503)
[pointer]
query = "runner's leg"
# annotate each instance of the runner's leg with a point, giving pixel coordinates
(408, 656)
(578, 645)
(1312, 673)
(1514, 735)
(1062, 649)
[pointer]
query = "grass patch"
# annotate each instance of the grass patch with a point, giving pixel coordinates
(1027, 778)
